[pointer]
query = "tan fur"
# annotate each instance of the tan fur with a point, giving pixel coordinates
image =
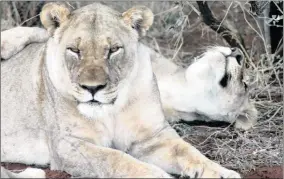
(47, 116)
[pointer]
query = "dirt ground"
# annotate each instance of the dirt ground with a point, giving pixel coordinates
(263, 172)
(266, 172)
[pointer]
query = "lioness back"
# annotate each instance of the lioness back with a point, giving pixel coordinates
(17, 90)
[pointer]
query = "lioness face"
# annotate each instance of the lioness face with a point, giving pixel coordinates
(218, 79)
(95, 55)
(97, 47)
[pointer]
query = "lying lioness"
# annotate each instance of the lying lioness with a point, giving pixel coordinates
(87, 101)
(212, 88)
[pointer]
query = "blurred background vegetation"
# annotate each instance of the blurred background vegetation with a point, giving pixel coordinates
(184, 29)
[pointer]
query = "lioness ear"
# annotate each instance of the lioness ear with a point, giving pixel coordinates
(139, 18)
(53, 14)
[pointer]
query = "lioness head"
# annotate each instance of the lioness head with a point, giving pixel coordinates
(92, 50)
(219, 72)
(219, 86)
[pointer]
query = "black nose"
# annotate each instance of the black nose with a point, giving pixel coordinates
(237, 53)
(93, 89)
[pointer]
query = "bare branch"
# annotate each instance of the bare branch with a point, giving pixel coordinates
(17, 15)
(28, 19)
(232, 39)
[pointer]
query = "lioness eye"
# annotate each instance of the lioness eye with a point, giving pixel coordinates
(74, 50)
(225, 80)
(114, 49)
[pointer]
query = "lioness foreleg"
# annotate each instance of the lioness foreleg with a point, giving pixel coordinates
(171, 153)
(83, 159)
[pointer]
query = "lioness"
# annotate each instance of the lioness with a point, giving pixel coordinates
(212, 88)
(87, 101)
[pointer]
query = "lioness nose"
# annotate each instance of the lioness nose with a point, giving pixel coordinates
(237, 53)
(93, 89)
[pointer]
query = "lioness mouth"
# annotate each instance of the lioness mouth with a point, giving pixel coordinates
(91, 102)
(95, 102)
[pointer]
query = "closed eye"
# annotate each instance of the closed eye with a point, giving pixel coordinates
(74, 51)
(225, 80)
(114, 50)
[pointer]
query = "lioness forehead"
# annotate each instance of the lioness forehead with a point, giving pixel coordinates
(96, 14)
(95, 20)
(96, 8)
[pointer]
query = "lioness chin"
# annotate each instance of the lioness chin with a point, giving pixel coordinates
(78, 101)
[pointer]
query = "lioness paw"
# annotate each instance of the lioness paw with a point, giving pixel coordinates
(27, 173)
(32, 173)
(230, 174)
(203, 171)
(146, 171)
(247, 118)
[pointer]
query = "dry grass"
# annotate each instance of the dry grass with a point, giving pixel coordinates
(178, 33)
